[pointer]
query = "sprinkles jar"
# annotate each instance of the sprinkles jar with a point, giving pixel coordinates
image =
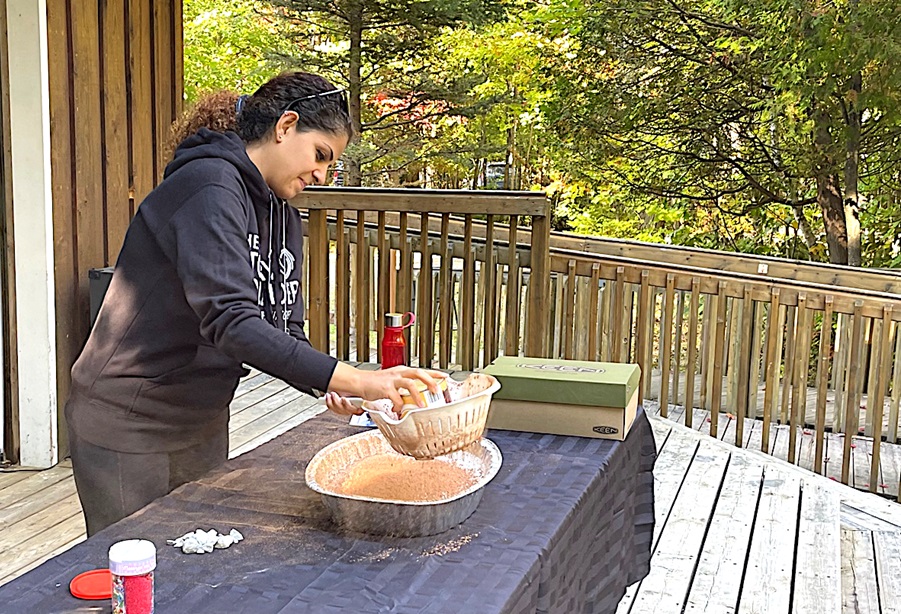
(131, 564)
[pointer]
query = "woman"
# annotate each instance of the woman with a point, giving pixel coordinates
(208, 279)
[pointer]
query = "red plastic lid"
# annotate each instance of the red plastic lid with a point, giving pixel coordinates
(94, 584)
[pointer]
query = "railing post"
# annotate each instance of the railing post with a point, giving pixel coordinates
(540, 286)
(318, 254)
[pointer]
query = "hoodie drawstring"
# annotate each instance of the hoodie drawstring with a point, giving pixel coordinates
(285, 256)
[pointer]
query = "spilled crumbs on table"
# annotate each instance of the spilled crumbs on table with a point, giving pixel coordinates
(450, 546)
(374, 557)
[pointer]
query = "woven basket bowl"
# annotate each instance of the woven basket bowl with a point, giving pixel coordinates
(433, 431)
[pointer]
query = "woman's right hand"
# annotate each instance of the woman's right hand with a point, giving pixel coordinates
(384, 384)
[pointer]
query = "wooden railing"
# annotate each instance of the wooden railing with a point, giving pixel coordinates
(720, 337)
(393, 233)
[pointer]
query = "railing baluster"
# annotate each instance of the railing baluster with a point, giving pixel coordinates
(342, 288)
(593, 286)
(424, 302)
(791, 317)
(822, 384)
(319, 303)
(489, 273)
(852, 399)
(840, 370)
(870, 357)
(708, 325)
(745, 348)
(719, 350)
(362, 288)
(677, 346)
(569, 309)
(732, 318)
(754, 379)
(780, 351)
(882, 364)
(604, 352)
(511, 341)
(896, 389)
(618, 300)
(382, 282)
(644, 308)
(666, 340)
(692, 350)
(539, 286)
(799, 378)
(772, 366)
(468, 302)
(446, 295)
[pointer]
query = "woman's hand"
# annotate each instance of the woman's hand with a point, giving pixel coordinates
(340, 405)
(383, 384)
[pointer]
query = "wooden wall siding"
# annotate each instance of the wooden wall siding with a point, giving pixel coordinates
(7, 260)
(799, 352)
(115, 88)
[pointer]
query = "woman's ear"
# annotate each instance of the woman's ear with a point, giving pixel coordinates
(288, 121)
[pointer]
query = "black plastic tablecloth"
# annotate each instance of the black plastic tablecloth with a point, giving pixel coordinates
(564, 527)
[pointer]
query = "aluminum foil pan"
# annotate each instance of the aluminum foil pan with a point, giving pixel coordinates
(398, 518)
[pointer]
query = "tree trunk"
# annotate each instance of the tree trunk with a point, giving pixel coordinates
(355, 24)
(852, 165)
(829, 196)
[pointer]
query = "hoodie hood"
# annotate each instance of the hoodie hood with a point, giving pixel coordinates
(228, 146)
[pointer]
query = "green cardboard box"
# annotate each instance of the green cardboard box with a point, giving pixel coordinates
(564, 397)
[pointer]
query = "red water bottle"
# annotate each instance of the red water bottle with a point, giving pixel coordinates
(394, 346)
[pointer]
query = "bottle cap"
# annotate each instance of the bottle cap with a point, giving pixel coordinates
(396, 320)
(132, 557)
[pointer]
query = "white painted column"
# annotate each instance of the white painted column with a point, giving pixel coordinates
(29, 97)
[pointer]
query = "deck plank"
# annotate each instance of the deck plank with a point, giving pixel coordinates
(860, 594)
(262, 393)
(261, 409)
(33, 484)
(767, 581)
(817, 568)
(34, 548)
(273, 423)
(26, 506)
(14, 534)
(887, 550)
(8, 477)
(251, 382)
(663, 591)
(717, 581)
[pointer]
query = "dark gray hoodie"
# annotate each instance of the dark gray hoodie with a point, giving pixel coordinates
(208, 278)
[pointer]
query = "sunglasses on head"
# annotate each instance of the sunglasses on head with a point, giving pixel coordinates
(341, 91)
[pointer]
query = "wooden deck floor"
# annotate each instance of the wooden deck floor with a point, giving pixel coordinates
(861, 450)
(736, 529)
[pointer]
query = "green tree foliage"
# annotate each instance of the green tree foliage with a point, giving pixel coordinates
(764, 126)
(752, 109)
(233, 44)
(378, 48)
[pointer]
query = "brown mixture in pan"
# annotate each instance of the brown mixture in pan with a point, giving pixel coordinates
(401, 478)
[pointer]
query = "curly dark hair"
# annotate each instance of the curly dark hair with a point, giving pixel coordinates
(317, 103)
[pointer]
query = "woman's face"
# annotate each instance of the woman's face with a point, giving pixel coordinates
(293, 160)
